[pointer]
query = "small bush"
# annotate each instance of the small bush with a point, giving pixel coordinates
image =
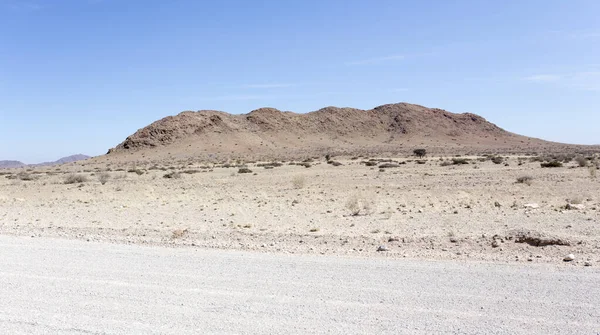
(460, 161)
(172, 175)
(191, 171)
(358, 205)
(420, 152)
(497, 160)
(26, 176)
(525, 180)
(299, 182)
(244, 170)
(581, 161)
(551, 164)
(75, 178)
(335, 163)
(103, 177)
(388, 165)
(136, 171)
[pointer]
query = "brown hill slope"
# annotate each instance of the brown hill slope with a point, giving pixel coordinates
(268, 132)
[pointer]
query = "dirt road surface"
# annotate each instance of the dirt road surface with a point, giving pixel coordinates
(54, 286)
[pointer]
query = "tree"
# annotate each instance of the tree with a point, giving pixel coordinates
(420, 152)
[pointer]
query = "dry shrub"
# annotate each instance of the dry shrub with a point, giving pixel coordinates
(179, 233)
(551, 164)
(75, 178)
(299, 182)
(26, 176)
(103, 177)
(581, 161)
(528, 180)
(359, 205)
(172, 175)
(592, 168)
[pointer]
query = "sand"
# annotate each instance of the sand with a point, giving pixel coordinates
(475, 211)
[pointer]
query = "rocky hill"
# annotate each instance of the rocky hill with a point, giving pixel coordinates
(269, 132)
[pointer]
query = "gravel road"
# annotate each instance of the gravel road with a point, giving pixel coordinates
(54, 286)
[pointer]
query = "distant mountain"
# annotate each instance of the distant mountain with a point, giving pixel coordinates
(11, 164)
(69, 159)
(64, 160)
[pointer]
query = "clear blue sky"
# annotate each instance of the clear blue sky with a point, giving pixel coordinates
(78, 76)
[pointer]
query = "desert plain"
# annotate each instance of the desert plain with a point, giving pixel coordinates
(492, 208)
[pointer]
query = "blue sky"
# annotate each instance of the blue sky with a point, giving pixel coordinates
(78, 76)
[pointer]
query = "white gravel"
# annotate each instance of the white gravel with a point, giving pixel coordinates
(54, 286)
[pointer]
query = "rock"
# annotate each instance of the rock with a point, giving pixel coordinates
(453, 240)
(393, 239)
(537, 239)
(569, 258)
(531, 206)
(575, 206)
(497, 204)
(495, 244)
(382, 248)
(587, 264)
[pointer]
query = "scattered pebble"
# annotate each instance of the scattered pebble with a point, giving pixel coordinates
(569, 258)
(382, 248)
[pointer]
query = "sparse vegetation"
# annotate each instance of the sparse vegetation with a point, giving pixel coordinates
(299, 182)
(75, 178)
(497, 160)
(244, 170)
(103, 177)
(26, 176)
(581, 161)
(179, 233)
(136, 171)
(460, 161)
(172, 175)
(358, 205)
(528, 180)
(420, 152)
(551, 164)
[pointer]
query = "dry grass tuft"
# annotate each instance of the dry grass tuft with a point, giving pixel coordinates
(528, 180)
(75, 178)
(179, 233)
(358, 205)
(299, 182)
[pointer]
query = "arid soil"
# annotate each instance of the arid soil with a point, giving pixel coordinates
(475, 211)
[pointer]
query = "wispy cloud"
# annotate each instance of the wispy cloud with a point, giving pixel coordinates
(543, 78)
(268, 85)
(584, 34)
(582, 80)
(25, 6)
(377, 60)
